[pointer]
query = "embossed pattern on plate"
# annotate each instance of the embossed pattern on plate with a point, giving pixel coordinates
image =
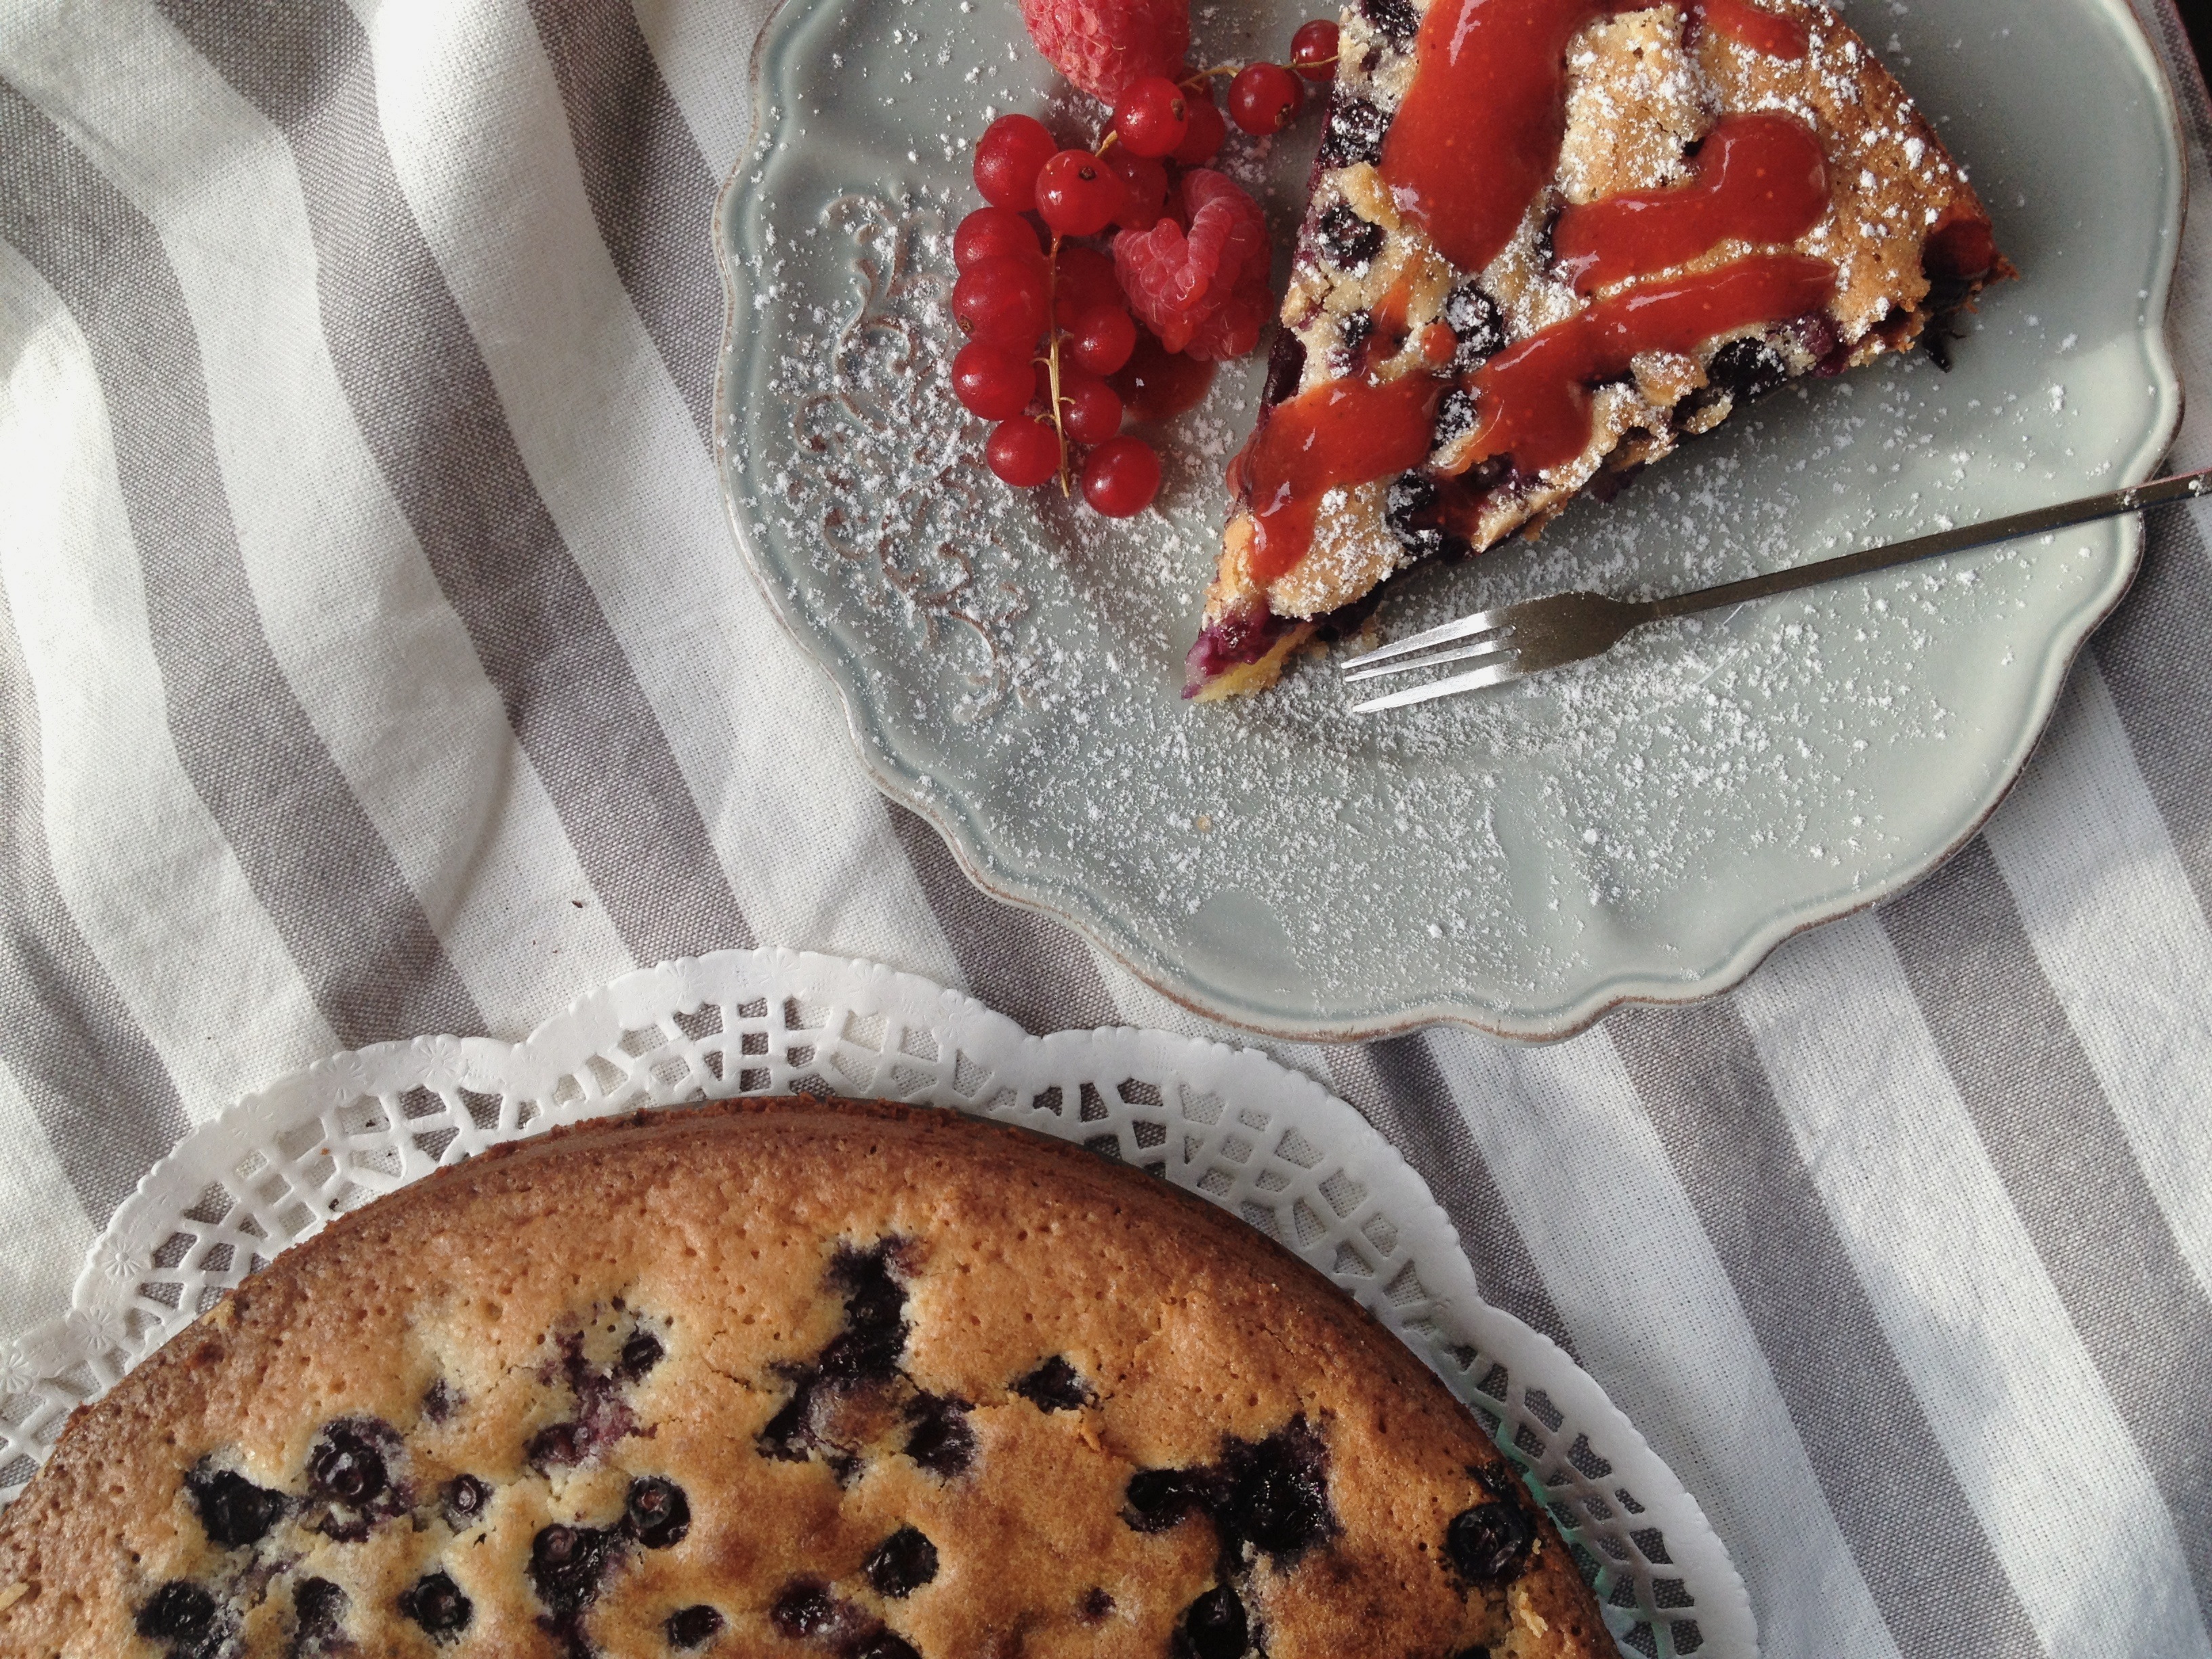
(1648, 826)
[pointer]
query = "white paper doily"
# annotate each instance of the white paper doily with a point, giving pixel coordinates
(1263, 1142)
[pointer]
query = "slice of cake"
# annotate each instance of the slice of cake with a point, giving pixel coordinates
(1545, 241)
(796, 1378)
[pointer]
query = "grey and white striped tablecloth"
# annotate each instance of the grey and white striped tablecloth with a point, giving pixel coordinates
(374, 660)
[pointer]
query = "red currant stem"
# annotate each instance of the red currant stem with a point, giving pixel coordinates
(1317, 63)
(1198, 78)
(1111, 139)
(1051, 352)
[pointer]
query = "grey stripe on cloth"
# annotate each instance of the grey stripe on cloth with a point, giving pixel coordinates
(2053, 1138)
(431, 415)
(2152, 654)
(94, 1081)
(1032, 969)
(1917, 1542)
(652, 197)
(373, 960)
(1399, 1087)
(651, 191)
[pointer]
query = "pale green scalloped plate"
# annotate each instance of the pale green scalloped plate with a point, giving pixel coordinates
(1645, 828)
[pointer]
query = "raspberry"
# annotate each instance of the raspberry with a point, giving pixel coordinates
(1204, 292)
(1103, 45)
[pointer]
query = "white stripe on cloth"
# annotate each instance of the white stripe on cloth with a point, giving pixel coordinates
(41, 1251)
(349, 607)
(705, 54)
(480, 141)
(2020, 1410)
(155, 892)
(2119, 934)
(1657, 1321)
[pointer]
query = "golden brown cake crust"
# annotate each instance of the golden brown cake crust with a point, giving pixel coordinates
(725, 1358)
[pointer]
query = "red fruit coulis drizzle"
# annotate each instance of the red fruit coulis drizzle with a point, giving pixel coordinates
(1479, 132)
(1533, 400)
(1760, 177)
(1337, 434)
(1477, 135)
(1763, 31)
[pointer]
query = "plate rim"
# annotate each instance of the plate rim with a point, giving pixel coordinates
(1574, 1014)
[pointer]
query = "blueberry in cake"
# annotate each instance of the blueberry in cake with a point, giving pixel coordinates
(1545, 241)
(797, 1378)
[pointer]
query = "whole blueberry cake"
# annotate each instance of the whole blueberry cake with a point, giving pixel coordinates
(1545, 240)
(786, 1378)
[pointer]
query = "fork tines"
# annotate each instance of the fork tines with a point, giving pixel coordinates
(1482, 622)
(1509, 642)
(1494, 672)
(1489, 636)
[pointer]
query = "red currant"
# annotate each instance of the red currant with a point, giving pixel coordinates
(1121, 477)
(1007, 157)
(990, 231)
(1003, 299)
(991, 380)
(1103, 338)
(1087, 280)
(1151, 117)
(1313, 50)
(1144, 188)
(1263, 98)
(1089, 408)
(1203, 136)
(1024, 450)
(1078, 194)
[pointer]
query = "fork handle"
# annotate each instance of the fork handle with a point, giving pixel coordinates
(2182, 486)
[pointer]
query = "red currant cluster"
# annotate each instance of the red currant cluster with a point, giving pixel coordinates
(1046, 317)
(1265, 98)
(1046, 320)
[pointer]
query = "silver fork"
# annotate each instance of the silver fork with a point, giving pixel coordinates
(1526, 638)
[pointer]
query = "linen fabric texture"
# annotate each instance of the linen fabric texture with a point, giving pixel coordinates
(354, 434)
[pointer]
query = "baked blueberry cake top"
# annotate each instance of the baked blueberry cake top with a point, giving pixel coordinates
(1545, 241)
(786, 1378)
